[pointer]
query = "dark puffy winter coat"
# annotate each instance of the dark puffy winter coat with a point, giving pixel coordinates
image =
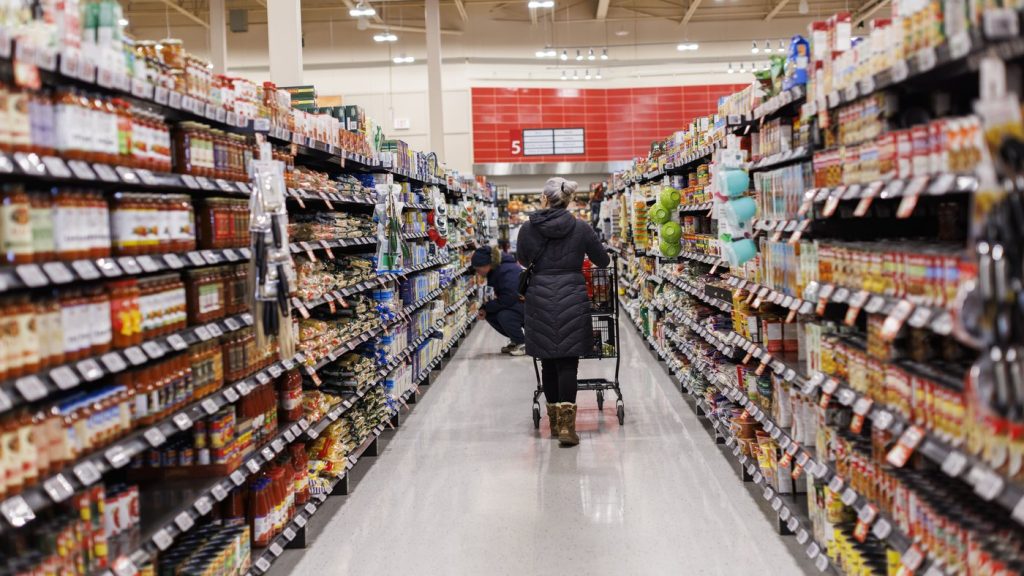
(557, 309)
(504, 278)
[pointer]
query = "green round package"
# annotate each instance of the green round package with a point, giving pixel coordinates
(669, 249)
(659, 214)
(669, 198)
(671, 231)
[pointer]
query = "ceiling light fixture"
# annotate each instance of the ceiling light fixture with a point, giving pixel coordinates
(590, 55)
(730, 70)
(743, 69)
(550, 53)
(782, 47)
(123, 22)
(621, 32)
(403, 59)
(576, 75)
(753, 47)
(564, 77)
(604, 54)
(587, 77)
(540, 54)
(564, 56)
(362, 9)
(579, 55)
(687, 46)
(534, 4)
(598, 75)
(385, 37)
(804, 7)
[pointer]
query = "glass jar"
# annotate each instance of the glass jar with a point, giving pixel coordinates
(205, 292)
(16, 225)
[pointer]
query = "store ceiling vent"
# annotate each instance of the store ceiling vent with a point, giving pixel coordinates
(238, 20)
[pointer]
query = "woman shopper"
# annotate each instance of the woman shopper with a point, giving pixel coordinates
(558, 326)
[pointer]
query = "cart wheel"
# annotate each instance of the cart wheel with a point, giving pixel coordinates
(536, 416)
(621, 413)
(600, 399)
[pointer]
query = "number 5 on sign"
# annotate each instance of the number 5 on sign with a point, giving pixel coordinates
(517, 148)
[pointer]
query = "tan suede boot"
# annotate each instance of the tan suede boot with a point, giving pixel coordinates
(567, 424)
(553, 419)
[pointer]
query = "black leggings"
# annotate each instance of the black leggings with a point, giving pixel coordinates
(559, 378)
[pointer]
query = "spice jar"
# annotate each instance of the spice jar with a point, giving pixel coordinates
(205, 295)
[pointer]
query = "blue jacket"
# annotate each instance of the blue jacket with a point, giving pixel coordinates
(504, 278)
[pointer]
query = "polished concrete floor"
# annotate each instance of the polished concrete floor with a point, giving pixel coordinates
(467, 487)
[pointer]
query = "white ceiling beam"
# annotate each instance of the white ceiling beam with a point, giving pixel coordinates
(177, 8)
(778, 8)
(694, 4)
(462, 10)
(602, 9)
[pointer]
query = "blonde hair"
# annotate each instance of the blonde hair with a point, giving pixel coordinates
(559, 191)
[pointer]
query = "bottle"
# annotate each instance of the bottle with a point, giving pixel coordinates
(41, 216)
(16, 225)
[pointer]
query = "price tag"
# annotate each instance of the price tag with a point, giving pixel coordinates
(881, 529)
(987, 483)
(210, 406)
(882, 419)
(177, 342)
(875, 304)
(184, 521)
(910, 196)
(275, 549)
(230, 395)
(85, 269)
(836, 484)
(262, 377)
(899, 71)
(90, 370)
(262, 564)
(954, 463)
(959, 45)
(203, 505)
(215, 330)
(155, 437)
(926, 59)
(275, 370)
(894, 322)
(106, 173)
(182, 421)
(135, 355)
(153, 349)
(237, 477)
(252, 465)
(87, 472)
(172, 261)
(802, 536)
(300, 521)
(920, 317)
(219, 492)
(58, 488)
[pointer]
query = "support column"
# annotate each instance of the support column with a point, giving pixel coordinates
(434, 92)
(284, 31)
(218, 37)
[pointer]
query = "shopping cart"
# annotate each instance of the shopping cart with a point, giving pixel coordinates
(602, 284)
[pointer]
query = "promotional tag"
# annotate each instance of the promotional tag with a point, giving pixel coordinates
(904, 448)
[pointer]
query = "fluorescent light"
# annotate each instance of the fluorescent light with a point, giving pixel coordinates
(687, 46)
(403, 59)
(385, 37)
(541, 4)
(540, 53)
(604, 54)
(123, 22)
(361, 9)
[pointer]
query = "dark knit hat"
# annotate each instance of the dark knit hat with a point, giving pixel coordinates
(482, 256)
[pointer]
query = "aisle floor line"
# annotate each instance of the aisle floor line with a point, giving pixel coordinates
(468, 487)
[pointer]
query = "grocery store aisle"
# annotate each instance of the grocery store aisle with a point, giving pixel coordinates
(468, 487)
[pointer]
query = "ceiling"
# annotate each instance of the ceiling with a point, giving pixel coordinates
(458, 15)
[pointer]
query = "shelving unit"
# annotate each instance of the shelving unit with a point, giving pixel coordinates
(181, 482)
(808, 343)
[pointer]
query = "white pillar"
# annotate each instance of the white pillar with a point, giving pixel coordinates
(434, 93)
(218, 37)
(284, 30)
